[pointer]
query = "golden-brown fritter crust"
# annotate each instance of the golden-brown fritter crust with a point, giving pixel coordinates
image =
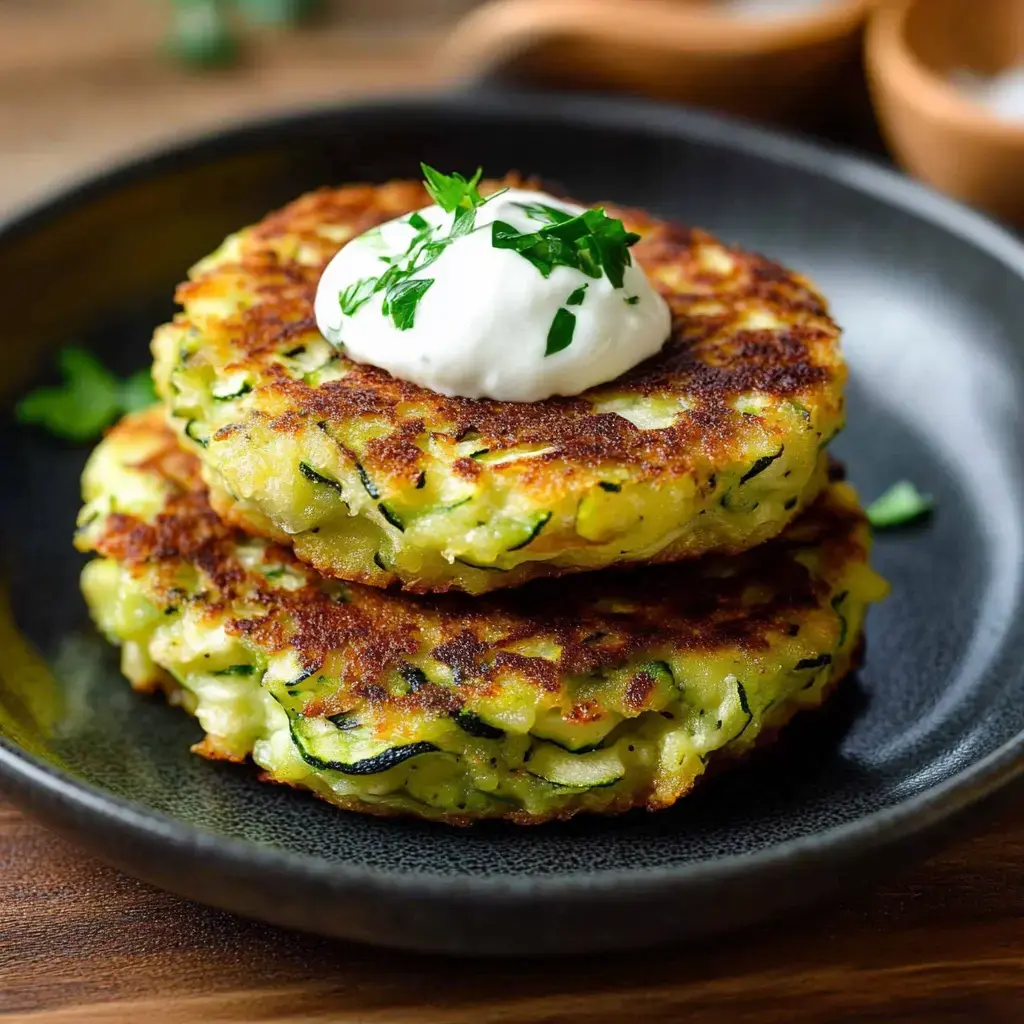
(698, 607)
(712, 358)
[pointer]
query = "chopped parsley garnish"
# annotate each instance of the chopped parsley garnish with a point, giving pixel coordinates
(401, 290)
(89, 399)
(632, 300)
(452, 191)
(402, 300)
(560, 332)
(541, 211)
(591, 242)
(903, 503)
(357, 294)
(454, 194)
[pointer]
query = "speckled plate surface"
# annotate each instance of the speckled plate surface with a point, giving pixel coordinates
(932, 299)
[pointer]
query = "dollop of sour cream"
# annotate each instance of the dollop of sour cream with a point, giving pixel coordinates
(491, 323)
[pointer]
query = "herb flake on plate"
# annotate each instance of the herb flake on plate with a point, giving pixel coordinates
(900, 505)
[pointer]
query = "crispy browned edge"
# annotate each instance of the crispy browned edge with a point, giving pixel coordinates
(718, 762)
(230, 512)
(677, 605)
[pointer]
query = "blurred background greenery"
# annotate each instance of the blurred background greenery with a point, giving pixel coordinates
(211, 33)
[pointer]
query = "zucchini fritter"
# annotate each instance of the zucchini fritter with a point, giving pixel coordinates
(713, 445)
(590, 693)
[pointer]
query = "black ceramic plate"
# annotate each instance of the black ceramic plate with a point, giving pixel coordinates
(932, 299)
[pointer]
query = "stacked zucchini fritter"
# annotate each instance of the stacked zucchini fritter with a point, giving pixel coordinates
(714, 445)
(238, 528)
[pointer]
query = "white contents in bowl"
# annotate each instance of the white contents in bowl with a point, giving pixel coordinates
(1002, 94)
(771, 8)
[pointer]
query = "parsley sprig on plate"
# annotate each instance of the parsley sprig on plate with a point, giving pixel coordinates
(89, 399)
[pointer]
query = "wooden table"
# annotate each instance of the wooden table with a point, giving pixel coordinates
(81, 942)
(79, 86)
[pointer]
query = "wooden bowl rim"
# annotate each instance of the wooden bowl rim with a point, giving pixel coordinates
(893, 62)
(504, 26)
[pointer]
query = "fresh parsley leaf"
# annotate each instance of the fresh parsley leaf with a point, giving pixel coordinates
(591, 242)
(505, 236)
(402, 300)
(357, 294)
(544, 251)
(391, 276)
(572, 229)
(543, 212)
(451, 191)
(463, 223)
(401, 290)
(561, 332)
(899, 505)
(613, 241)
(89, 399)
(577, 297)
(421, 253)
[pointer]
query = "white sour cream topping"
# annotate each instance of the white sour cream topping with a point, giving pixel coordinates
(481, 329)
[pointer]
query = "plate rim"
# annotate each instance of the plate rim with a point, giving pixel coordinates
(28, 779)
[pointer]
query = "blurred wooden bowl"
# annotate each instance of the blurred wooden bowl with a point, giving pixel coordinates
(937, 132)
(778, 68)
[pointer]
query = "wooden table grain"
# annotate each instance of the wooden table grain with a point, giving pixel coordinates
(81, 942)
(80, 85)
